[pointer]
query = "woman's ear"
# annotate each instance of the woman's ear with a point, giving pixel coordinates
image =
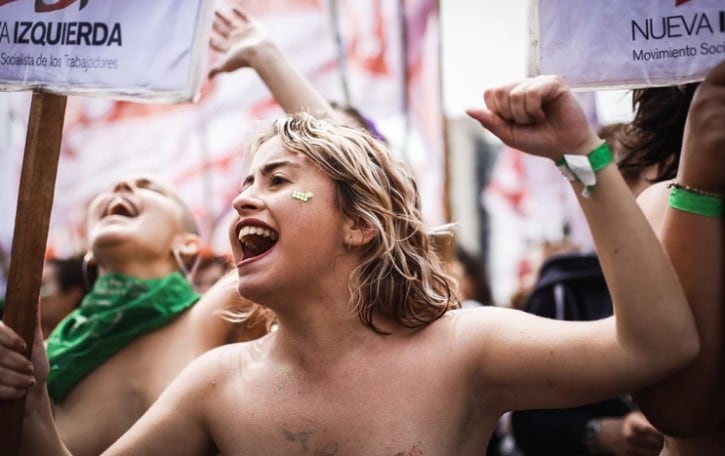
(185, 249)
(357, 233)
(187, 244)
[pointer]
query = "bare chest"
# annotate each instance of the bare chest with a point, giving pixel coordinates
(396, 408)
(104, 404)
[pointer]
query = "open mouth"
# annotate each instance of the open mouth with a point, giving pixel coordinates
(256, 240)
(120, 206)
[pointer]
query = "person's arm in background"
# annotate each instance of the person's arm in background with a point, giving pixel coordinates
(630, 434)
(567, 431)
(243, 43)
(692, 399)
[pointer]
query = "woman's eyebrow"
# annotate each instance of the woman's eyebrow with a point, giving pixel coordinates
(269, 168)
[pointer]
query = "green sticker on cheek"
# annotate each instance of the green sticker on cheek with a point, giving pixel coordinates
(302, 196)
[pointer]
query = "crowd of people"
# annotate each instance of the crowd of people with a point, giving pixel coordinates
(336, 326)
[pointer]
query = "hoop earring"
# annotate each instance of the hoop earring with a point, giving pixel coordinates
(84, 270)
(180, 264)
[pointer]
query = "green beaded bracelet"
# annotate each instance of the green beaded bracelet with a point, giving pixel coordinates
(696, 201)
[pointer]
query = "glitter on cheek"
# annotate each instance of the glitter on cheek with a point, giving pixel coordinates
(302, 196)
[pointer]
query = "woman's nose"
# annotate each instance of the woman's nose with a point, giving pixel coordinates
(123, 186)
(246, 201)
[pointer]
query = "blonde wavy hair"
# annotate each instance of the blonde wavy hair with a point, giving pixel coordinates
(243, 311)
(401, 276)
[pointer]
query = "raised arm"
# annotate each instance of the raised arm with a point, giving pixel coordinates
(692, 399)
(531, 362)
(244, 43)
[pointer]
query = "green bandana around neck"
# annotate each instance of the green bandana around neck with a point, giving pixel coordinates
(118, 310)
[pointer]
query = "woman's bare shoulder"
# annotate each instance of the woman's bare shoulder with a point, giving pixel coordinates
(221, 363)
(480, 322)
(653, 202)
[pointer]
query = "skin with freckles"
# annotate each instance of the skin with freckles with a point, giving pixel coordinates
(368, 357)
(326, 383)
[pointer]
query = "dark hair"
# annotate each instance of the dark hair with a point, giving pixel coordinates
(613, 134)
(69, 273)
(654, 137)
(474, 268)
(358, 119)
(206, 260)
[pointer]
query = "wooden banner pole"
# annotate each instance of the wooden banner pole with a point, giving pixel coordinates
(35, 199)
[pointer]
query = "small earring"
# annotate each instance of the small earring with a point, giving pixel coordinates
(348, 244)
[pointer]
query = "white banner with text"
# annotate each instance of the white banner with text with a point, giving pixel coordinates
(131, 49)
(199, 147)
(626, 44)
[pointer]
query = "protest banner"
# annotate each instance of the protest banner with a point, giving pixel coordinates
(136, 50)
(196, 146)
(625, 44)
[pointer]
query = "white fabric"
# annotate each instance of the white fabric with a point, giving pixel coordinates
(582, 168)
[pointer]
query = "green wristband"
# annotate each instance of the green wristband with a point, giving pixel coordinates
(583, 168)
(693, 202)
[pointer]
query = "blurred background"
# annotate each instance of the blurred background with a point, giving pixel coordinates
(411, 66)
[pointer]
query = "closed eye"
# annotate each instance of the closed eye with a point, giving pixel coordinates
(150, 185)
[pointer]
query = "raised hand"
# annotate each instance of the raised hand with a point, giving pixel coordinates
(237, 37)
(243, 42)
(539, 116)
